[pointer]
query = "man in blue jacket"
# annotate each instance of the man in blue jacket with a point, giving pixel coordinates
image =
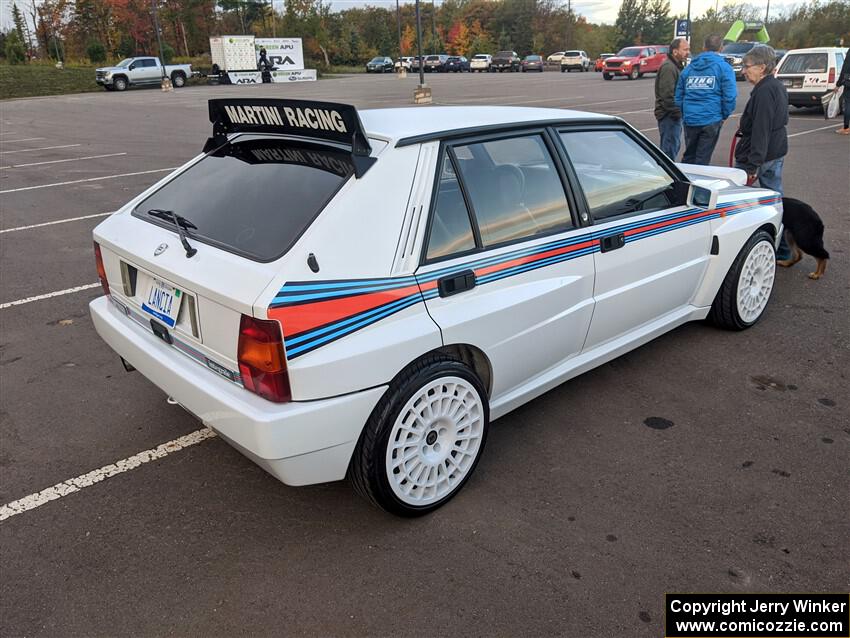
(706, 94)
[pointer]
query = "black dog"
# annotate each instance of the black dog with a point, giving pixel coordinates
(804, 234)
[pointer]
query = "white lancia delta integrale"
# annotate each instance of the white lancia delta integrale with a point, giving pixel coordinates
(341, 294)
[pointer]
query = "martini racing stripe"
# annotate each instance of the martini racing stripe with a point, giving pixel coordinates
(314, 314)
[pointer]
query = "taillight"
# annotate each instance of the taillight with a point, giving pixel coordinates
(831, 75)
(101, 271)
(261, 359)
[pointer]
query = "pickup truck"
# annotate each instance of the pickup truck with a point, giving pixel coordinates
(505, 60)
(141, 71)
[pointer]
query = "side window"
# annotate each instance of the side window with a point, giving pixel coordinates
(514, 188)
(616, 174)
(663, 50)
(149, 62)
(451, 231)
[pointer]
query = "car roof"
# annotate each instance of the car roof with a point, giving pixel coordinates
(818, 50)
(401, 123)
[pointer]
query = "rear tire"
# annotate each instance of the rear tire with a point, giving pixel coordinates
(178, 80)
(747, 287)
(423, 440)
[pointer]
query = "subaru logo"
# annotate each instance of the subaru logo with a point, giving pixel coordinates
(160, 249)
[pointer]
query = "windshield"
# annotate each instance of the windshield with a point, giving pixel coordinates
(737, 48)
(125, 63)
(254, 198)
(480, 56)
(532, 58)
(505, 54)
(432, 58)
(376, 61)
(630, 52)
(805, 63)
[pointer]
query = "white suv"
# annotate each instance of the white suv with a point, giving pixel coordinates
(809, 74)
(480, 62)
(343, 298)
(575, 60)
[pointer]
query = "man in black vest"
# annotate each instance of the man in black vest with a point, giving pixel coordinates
(669, 115)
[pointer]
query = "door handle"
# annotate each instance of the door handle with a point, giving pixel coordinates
(612, 242)
(454, 284)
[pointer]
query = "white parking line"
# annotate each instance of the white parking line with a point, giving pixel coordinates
(90, 179)
(26, 139)
(815, 130)
(43, 148)
(58, 221)
(48, 295)
(107, 471)
(72, 159)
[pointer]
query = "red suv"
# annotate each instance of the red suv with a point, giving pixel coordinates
(636, 60)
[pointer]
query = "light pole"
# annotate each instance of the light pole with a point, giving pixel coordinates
(398, 21)
(422, 93)
(274, 22)
(166, 83)
(689, 21)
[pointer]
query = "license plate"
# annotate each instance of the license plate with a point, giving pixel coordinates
(787, 82)
(163, 302)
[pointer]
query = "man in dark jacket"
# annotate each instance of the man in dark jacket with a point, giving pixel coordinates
(669, 115)
(764, 139)
(844, 80)
(706, 93)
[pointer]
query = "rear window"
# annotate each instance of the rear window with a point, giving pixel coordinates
(805, 63)
(572, 54)
(255, 197)
(480, 56)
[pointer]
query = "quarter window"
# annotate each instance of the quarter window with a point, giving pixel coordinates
(451, 230)
(616, 174)
(514, 189)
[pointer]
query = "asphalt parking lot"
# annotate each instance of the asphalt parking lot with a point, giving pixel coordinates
(705, 461)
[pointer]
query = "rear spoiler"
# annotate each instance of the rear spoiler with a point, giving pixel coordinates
(302, 118)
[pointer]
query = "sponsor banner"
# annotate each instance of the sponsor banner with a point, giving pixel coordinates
(757, 615)
(681, 30)
(245, 77)
(286, 54)
(306, 75)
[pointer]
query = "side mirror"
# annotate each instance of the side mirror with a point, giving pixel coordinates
(702, 197)
(132, 66)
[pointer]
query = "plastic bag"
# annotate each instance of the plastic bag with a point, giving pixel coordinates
(832, 103)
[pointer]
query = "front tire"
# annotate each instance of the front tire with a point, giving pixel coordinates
(423, 440)
(119, 84)
(606, 75)
(635, 74)
(746, 290)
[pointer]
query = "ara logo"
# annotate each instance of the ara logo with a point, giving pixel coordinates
(246, 81)
(281, 60)
(700, 82)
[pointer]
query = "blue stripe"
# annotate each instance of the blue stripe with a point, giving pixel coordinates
(346, 331)
(299, 287)
(288, 300)
(316, 332)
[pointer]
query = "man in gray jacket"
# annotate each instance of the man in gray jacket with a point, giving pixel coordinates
(669, 115)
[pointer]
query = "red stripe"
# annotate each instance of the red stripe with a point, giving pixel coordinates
(669, 222)
(299, 318)
(533, 257)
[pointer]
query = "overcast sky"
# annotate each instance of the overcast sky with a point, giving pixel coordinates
(593, 10)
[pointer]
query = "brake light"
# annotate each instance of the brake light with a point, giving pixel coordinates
(262, 362)
(101, 271)
(831, 75)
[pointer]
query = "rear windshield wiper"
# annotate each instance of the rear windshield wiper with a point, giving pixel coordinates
(181, 223)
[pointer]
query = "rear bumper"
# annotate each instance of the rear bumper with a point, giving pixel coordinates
(299, 443)
(805, 98)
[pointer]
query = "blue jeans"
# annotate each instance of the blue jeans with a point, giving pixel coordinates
(700, 142)
(670, 129)
(770, 176)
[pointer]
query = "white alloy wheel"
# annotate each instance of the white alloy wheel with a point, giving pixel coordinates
(435, 441)
(756, 281)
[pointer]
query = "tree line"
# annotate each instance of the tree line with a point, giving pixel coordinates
(111, 29)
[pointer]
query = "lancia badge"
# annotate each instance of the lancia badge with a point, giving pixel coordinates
(160, 249)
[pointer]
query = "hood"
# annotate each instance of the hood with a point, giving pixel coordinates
(113, 69)
(706, 60)
(621, 58)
